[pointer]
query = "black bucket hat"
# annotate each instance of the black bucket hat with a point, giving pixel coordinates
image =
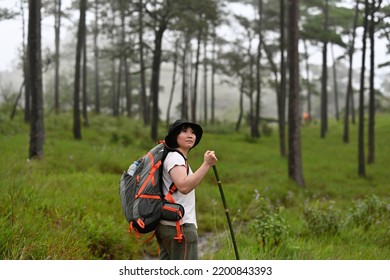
(176, 127)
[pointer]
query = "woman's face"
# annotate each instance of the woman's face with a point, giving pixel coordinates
(186, 138)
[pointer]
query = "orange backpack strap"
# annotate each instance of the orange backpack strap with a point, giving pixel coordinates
(179, 233)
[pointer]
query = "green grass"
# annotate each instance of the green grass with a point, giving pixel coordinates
(67, 205)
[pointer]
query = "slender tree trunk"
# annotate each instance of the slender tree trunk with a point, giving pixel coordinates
(79, 48)
(273, 68)
(213, 71)
(257, 133)
(241, 105)
(175, 60)
(195, 92)
(96, 56)
(26, 71)
(156, 78)
(294, 128)
(184, 94)
(113, 88)
(128, 88)
(143, 100)
(309, 90)
(85, 81)
(205, 70)
(349, 96)
(37, 128)
(281, 98)
(371, 106)
(57, 28)
(335, 87)
(324, 79)
(125, 68)
(119, 88)
(361, 157)
(252, 108)
(13, 113)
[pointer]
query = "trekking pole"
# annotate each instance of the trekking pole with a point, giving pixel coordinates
(226, 211)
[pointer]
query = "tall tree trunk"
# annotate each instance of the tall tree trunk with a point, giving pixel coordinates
(79, 48)
(113, 88)
(117, 110)
(371, 106)
(361, 156)
(294, 128)
(57, 28)
(175, 60)
(156, 78)
(26, 71)
(335, 86)
(324, 79)
(143, 100)
(258, 72)
(37, 129)
(205, 73)
(13, 113)
(252, 108)
(184, 92)
(96, 56)
(85, 79)
(241, 105)
(281, 97)
(349, 95)
(195, 88)
(128, 88)
(213, 72)
(309, 90)
(125, 68)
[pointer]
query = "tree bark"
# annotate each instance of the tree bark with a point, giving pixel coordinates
(371, 105)
(349, 96)
(324, 78)
(294, 128)
(156, 78)
(361, 156)
(57, 28)
(143, 100)
(281, 97)
(213, 73)
(26, 71)
(96, 56)
(175, 60)
(195, 88)
(85, 79)
(335, 86)
(79, 48)
(37, 129)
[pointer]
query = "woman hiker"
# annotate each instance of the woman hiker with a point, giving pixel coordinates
(180, 241)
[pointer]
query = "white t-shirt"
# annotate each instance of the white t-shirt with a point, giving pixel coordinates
(186, 200)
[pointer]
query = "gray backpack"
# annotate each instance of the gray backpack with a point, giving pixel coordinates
(141, 192)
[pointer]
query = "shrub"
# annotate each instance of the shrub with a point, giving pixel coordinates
(322, 219)
(368, 212)
(270, 227)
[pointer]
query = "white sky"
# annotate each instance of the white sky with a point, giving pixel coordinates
(11, 34)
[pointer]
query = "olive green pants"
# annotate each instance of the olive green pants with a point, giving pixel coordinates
(171, 249)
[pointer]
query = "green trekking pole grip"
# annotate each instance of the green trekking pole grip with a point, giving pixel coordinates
(226, 211)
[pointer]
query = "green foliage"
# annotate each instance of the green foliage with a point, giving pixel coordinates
(369, 212)
(269, 226)
(322, 219)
